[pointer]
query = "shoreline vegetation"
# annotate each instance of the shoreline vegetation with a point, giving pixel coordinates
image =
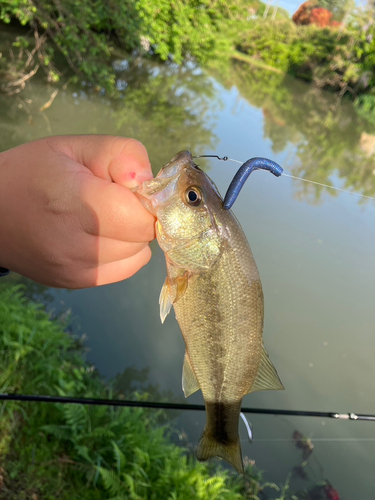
(59, 451)
(64, 451)
(330, 43)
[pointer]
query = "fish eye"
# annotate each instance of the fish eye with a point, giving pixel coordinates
(193, 196)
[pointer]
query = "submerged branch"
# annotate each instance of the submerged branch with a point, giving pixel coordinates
(16, 86)
(47, 104)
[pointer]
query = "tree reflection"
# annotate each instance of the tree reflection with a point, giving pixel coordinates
(136, 384)
(134, 381)
(168, 107)
(330, 138)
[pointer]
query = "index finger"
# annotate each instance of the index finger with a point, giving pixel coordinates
(122, 160)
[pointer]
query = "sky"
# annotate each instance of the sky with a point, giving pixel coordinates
(292, 5)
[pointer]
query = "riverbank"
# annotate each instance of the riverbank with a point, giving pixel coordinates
(336, 59)
(85, 37)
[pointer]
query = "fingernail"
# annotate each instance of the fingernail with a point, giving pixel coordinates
(143, 175)
(134, 179)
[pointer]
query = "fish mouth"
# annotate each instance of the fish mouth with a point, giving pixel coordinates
(176, 164)
(154, 192)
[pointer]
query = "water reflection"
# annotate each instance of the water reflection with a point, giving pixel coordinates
(330, 139)
(133, 381)
(167, 107)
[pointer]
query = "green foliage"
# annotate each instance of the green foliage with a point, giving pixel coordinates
(87, 33)
(340, 59)
(182, 27)
(56, 451)
(23, 10)
(366, 107)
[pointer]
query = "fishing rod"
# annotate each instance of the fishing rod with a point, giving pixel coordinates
(177, 406)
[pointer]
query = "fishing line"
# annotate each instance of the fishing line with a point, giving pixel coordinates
(237, 184)
(236, 161)
(176, 406)
(327, 186)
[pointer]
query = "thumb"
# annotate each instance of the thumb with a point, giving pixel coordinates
(124, 161)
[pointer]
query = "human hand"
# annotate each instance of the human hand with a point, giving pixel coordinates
(68, 217)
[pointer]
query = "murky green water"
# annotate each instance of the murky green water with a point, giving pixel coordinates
(315, 248)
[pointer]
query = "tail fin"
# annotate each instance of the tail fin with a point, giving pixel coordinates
(209, 447)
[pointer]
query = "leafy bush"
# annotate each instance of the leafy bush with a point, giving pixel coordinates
(87, 33)
(341, 60)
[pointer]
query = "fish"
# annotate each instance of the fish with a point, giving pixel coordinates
(214, 287)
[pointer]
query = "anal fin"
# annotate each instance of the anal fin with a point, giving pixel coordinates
(267, 378)
(189, 380)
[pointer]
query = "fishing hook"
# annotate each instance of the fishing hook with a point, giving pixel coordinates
(243, 173)
(224, 158)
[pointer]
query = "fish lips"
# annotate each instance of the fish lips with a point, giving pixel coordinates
(176, 164)
(155, 192)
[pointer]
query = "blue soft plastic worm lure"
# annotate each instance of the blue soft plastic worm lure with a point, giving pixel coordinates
(243, 173)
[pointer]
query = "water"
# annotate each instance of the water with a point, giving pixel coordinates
(314, 248)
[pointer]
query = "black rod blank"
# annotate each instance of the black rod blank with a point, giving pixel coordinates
(176, 406)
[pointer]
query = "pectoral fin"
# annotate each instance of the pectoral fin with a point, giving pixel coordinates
(189, 380)
(172, 290)
(165, 300)
(267, 378)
